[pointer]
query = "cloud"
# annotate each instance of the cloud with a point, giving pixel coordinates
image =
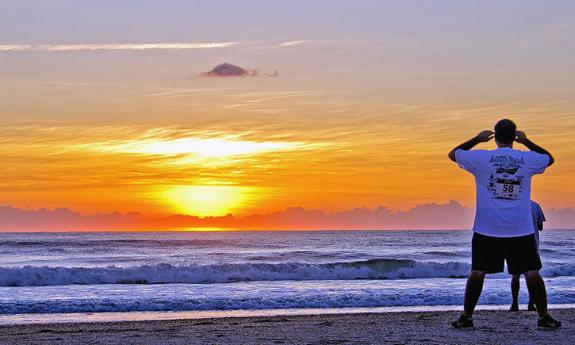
(113, 46)
(201, 147)
(15, 219)
(560, 218)
(273, 74)
(428, 216)
(293, 43)
(228, 70)
(421, 217)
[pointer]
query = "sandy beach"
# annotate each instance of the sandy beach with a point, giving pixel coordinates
(492, 327)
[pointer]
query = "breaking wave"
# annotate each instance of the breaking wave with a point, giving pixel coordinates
(228, 272)
(374, 269)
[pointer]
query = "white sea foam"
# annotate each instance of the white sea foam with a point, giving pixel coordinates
(263, 295)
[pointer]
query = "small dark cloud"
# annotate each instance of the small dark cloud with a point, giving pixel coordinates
(226, 70)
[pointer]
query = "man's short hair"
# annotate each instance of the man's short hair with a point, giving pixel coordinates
(505, 131)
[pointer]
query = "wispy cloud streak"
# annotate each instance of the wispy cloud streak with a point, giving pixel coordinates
(114, 46)
(204, 147)
(293, 43)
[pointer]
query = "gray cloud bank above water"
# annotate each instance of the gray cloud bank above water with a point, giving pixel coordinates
(425, 217)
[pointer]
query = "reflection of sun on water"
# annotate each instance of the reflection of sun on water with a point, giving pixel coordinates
(207, 200)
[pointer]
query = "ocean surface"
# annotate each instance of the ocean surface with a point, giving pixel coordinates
(231, 271)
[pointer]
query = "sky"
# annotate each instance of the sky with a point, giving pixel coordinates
(117, 109)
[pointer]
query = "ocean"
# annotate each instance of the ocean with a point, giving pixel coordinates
(46, 273)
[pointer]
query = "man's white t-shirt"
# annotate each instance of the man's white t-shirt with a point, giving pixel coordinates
(503, 188)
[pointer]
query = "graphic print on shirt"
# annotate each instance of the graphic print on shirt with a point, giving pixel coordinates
(505, 182)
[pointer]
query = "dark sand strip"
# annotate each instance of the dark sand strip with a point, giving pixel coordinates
(492, 327)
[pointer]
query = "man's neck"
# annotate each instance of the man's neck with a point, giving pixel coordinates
(505, 145)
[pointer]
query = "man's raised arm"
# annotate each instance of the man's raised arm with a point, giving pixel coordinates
(522, 139)
(482, 137)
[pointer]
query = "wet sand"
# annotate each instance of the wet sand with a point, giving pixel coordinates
(491, 327)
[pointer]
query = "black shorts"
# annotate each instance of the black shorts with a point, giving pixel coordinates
(488, 254)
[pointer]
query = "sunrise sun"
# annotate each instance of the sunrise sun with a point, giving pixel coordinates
(206, 200)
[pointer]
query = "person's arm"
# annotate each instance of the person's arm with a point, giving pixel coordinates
(482, 137)
(540, 226)
(522, 139)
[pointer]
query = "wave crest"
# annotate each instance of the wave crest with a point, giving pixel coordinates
(228, 272)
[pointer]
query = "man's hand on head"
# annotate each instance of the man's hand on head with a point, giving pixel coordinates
(521, 137)
(485, 136)
(482, 137)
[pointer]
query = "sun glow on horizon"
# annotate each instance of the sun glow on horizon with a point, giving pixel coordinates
(206, 200)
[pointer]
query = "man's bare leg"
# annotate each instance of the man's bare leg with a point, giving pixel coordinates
(473, 291)
(530, 305)
(536, 287)
(515, 292)
(537, 292)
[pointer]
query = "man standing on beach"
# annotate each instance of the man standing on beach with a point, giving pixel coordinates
(503, 228)
(538, 219)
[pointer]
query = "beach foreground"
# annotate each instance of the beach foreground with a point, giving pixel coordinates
(492, 327)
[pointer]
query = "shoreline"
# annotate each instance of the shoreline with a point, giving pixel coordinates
(432, 327)
(111, 317)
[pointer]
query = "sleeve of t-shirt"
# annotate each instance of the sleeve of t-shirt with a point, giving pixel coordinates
(468, 160)
(538, 213)
(536, 162)
(541, 215)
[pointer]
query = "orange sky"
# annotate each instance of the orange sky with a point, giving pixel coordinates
(359, 115)
(242, 169)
